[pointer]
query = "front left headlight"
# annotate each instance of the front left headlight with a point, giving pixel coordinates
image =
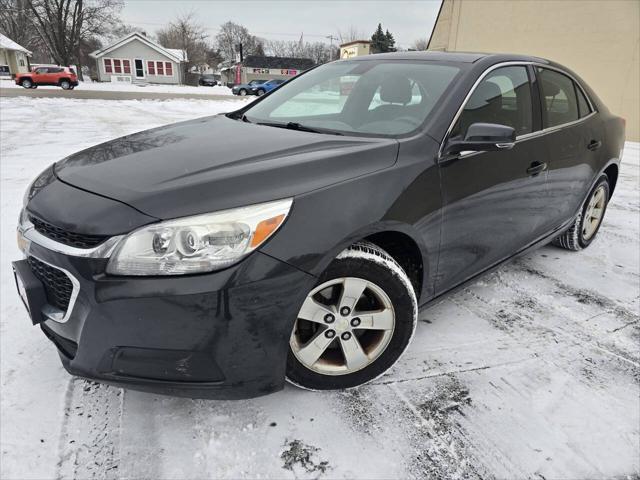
(197, 244)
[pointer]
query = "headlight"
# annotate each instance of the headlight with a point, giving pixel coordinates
(197, 244)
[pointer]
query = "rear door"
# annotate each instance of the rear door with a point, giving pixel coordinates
(40, 75)
(574, 135)
(494, 202)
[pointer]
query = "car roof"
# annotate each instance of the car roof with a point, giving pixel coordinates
(455, 57)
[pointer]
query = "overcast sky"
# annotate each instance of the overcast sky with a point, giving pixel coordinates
(287, 19)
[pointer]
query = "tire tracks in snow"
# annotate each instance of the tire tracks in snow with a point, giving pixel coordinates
(90, 433)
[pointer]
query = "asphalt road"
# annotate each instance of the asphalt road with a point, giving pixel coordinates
(106, 94)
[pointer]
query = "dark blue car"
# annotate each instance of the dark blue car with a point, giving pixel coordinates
(265, 87)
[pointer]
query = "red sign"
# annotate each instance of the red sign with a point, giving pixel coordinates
(238, 74)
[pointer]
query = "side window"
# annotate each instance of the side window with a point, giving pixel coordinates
(559, 101)
(583, 104)
(502, 97)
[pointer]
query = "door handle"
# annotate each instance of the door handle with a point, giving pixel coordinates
(594, 145)
(536, 168)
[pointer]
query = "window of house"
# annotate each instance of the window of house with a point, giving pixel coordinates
(502, 97)
(168, 68)
(560, 104)
(151, 67)
(160, 68)
(117, 66)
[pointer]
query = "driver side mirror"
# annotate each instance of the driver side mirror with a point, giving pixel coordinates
(483, 137)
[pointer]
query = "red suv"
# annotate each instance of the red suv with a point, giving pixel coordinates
(64, 77)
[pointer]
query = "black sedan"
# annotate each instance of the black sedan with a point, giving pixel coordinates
(207, 80)
(297, 237)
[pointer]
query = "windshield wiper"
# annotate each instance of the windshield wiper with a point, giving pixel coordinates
(298, 126)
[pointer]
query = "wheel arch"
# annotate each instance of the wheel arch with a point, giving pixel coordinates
(611, 171)
(401, 242)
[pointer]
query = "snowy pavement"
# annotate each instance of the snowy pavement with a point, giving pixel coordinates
(531, 372)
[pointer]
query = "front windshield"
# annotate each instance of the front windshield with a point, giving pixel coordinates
(371, 97)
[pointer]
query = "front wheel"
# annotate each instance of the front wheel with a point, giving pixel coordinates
(242, 92)
(354, 324)
(584, 228)
(26, 83)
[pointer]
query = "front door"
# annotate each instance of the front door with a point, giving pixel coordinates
(139, 64)
(493, 202)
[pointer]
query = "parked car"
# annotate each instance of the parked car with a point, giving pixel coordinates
(298, 236)
(266, 87)
(207, 80)
(64, 77)
(245, 88)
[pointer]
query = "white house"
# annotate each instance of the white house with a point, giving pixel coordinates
(14, 58)
(136, 58)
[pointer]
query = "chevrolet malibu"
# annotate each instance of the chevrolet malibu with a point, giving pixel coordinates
(295, 239)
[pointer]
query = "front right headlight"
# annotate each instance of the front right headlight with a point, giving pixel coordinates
(197, 244)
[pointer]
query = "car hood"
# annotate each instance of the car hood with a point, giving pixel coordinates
(214, 163)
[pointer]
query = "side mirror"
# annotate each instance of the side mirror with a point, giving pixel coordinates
(483, 137)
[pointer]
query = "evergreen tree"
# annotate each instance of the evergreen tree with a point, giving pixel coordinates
(379, 41)
(391, 42)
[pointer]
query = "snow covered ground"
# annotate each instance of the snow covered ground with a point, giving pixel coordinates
(532, 372)
(129, 87)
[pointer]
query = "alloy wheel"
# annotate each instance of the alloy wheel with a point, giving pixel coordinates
(344, 325)
(594, 212)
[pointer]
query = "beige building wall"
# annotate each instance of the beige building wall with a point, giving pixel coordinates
(598, 39)
(355, 49)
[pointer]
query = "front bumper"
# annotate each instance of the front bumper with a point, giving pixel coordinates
(221, 335)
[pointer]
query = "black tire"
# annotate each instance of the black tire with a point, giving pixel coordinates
(65, 84)
(574, 238)
(27, 83)
(369, 262)
(242, 92)
(260, 92)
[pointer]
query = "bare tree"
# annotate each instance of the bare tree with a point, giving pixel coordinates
(420, 44)
(350, 34)
(231, 35)
(318, 52)
(15, 22)
(66, 25)
(186, 33)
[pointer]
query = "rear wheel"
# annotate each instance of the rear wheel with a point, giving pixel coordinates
(586, 225)
(27, 83)
(354, 324)
(65, 84)
(260, 92)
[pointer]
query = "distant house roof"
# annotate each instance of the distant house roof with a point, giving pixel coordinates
(172, 53)
(259, 61)
(7, 44)
(355, 42)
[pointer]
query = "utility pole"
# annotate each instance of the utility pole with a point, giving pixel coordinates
(331, 39)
